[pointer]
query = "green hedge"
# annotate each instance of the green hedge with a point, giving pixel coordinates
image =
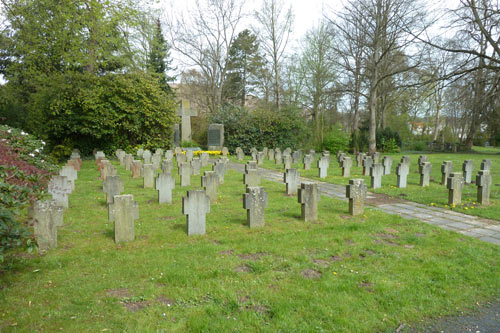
(261, 128)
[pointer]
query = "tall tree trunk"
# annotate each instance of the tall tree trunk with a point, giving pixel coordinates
(373, 120)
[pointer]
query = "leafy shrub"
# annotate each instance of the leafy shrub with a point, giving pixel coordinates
(61, 152)
(84, 111)
(261, 128)
(385, 135)
(189, 144)
(389, 146)
(336, 139)
(13, 234)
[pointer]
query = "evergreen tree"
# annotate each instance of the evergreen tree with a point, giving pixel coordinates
(158, 58)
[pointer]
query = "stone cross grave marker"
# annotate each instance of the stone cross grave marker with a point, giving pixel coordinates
(156, 161)
(140, 151)
(376, 157)
(189, 155)
(60, 188)
(124, 211)
(159, 151)
(112, 186)
(255, 201)
(147, 157)
(346, 164)
(178, 151)
(287, 160)
(260, 158)
(239, 154)
(308, 198)
(387, 162)
(254, 155)
(425, 169)
(270, 154)
(225, 151)
(292, 179)
(100, 155)
(251, 177)
(376, 173)
(422, 159)
(356, 192)
(296, 156)
(367, 164)
(136, 169)
(185, 112)
(220, 170)
(251, 165)
(149, 175)
(312, 152)
(340, 157)
(402, 171)
(483, 182)
(108, 170)
(455, 184)
(195, 205)
(327, 155)
(196, 166)
(167, 166)
(185, 173)
(406, 160)
(278, 157)
(181, 158)
(165, 183)
(308, 160)
(70, 173)
(265, 150)
(169, 155)
(128, 161)
(74, 163)
(287, 151)
(468, 168)
(446, 169)
(46, 216)
(209, 182)
(204, 158)
(323, 165)
(486, 165)
(120, 155)
(359, 159)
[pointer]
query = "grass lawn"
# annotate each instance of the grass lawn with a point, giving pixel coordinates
(435, 195)
(363, 274)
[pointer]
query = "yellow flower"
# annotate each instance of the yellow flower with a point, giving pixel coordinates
(432, 203)
(466, 208)
(334, 273)
(454, 205)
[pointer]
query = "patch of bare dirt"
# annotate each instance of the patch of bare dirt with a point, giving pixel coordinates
(335, 258)
(167, 218)
(243, 269)
(321, 262)
(366, 285)
(252, 256)
(226, 253)
(408, 246)
(311, 274)
(152, 201)
(366, 254)
(118, 293)
(345, 217)
(165, 300)
(386, 236)
(135, 306)
(385, 242)
(382, 199)
(349, 242)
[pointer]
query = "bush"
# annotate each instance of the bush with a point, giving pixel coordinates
(189, 144)
(261, 128)
(389, 146)
(336, 139)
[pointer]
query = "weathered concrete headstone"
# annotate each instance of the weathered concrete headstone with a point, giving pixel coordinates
(128, 161)
(70, 173)
(169, 155)
(195, 206)
(356, 192)
(167, 166)
(255, 201)
(215, 136)
(422, 159)
(165, 183)
(468, 168)
(406, 160)
(265, 150)
(270, 154)
(446, 169)
(74, 163)
(124, 211)
(296, 156)
(239, 154)
(323, 165)
(251, 177)
(156, 161)
(376, 173)
(260, 158)
(346, 165)
(178, 151)
(309, 198)
(189, 155)
(367, 164)
(425, 169)
(112, 186)
(278, 157)
(376, 157)
(209, 182)
(326, 154)
(483, 182)
(287, 161)
(359, 159)
(220, 170)
(402, 171)
(185, 112)
(147, 157)
(251, 165)
(292, 179)
(149, 175)
(196, 166)
(340, 158)
(455, 184)
(136, 169)
(312, 153)
(387, 163)
(46, 216)
(486, 165)
(254, 155)
(100, 155)
(224, 151)
(120, 155)
(287, 151)
(140, 151)
(180, 159)
(159, 151)
(308, 160)
(60, 188)
(204, 158)
(185, 173)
